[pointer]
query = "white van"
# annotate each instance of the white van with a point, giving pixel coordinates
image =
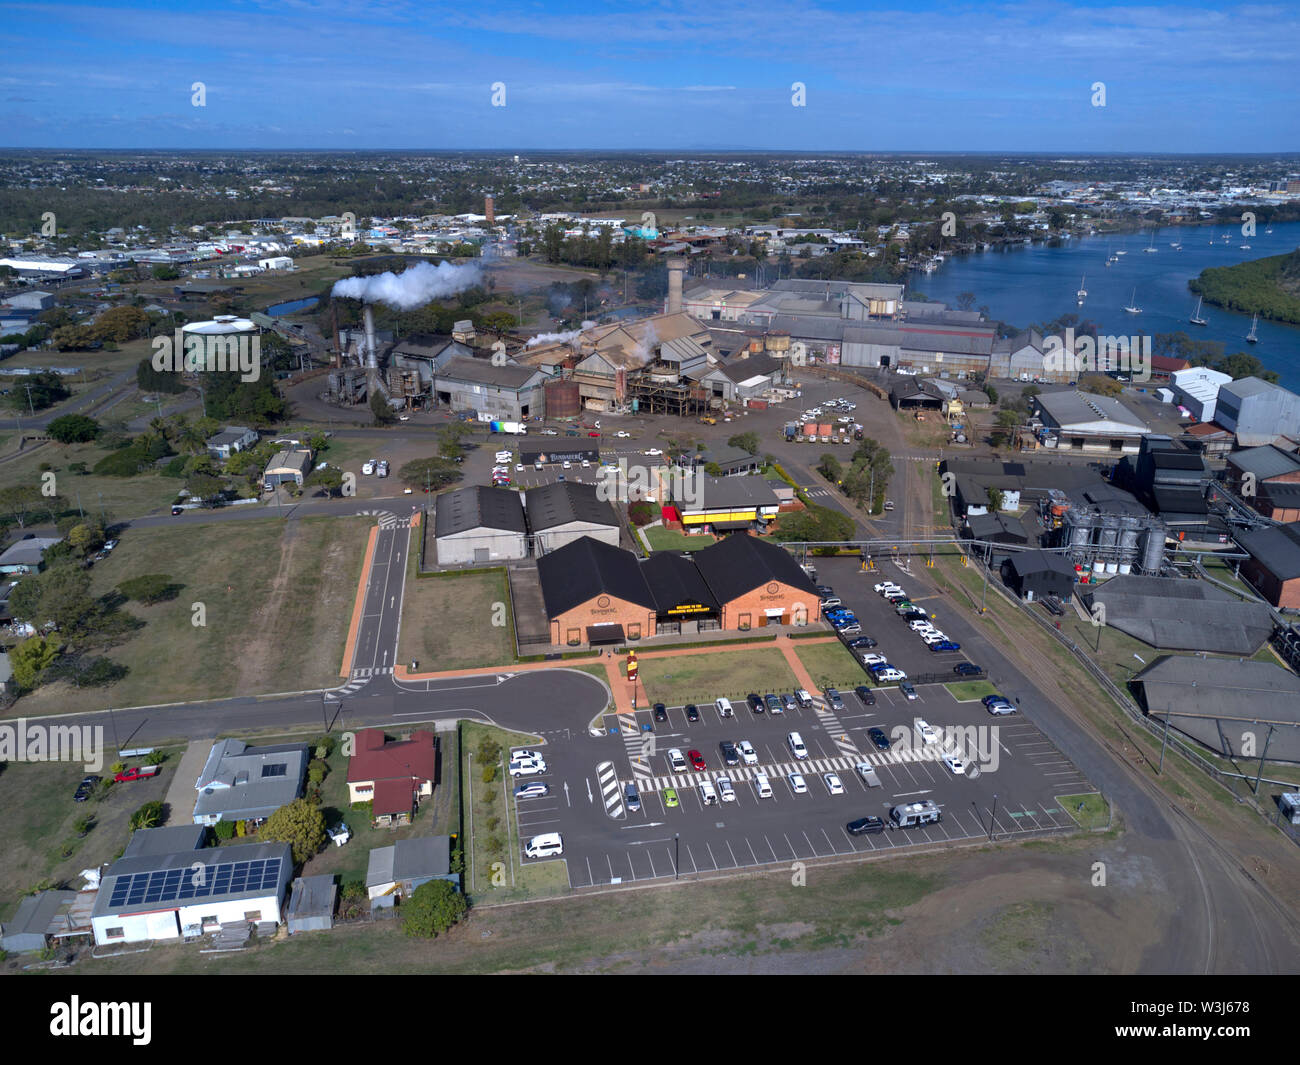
(724, 708)
(707, 794)
(547, 845)
(763, 786)
(797, 747)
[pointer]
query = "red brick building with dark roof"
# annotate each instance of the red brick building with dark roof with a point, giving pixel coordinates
(392, 775)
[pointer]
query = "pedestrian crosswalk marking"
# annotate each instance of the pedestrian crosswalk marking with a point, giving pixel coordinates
(369, 672)
(611, 789)
(812, 767)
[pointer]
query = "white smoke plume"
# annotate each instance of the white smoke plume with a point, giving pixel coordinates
(645, 347)
(558, 338)
(412, 288)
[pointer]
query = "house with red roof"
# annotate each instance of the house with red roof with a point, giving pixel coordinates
(392, 775)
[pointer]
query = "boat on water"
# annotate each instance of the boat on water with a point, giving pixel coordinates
(1083, 292)
(1196, 318)
(1151, 249)
(1244, 247)
(1176, 245)
(1132, 307)
(1251, 338)
(1268, 231)
(1120, 252)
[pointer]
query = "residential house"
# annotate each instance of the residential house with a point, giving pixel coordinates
(392, 775)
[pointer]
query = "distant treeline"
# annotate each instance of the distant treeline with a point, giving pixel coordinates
(1268, 287)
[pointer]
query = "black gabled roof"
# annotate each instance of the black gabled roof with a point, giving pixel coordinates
(581, 570)
(553, 505)
(478, 507)
(738, 564)
(675, 579)
(1276, 548)
(1027, 562)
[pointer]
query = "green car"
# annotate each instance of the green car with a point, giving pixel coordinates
(670, 797)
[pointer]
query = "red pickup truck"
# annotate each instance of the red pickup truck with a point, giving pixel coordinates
(138, 773)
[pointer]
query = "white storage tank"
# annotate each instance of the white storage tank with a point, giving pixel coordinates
(1099, 567)
(1112, 567)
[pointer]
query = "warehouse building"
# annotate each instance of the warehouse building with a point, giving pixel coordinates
(1238, 708)
(510, 392)
(1035, 574)
(286, 467)
(1257, 411)
(565, 511)
(1273, 568)
(479, 524)
(1197, 390)
(1267, 478)
(1076, 421)
(1174, 614)
(596, 594)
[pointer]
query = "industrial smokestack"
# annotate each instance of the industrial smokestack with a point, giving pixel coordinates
(490, 210)
(676, 268)
(372, 361)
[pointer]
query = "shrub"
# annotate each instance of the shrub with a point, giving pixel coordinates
(492, 823)
(316, 771)
(241, 829)
(641, 512)
(324, 746)
(117, 767)
(224, 830)
(432, 909)
(148, 816)
(489, 774)
(155, 758)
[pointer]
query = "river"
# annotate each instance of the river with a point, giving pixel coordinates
(1037, 283)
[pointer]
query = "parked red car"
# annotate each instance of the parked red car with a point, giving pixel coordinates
(140, 772)
(697, 760)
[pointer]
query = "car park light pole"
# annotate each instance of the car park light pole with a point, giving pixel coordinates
(677, 854)
(994, 818)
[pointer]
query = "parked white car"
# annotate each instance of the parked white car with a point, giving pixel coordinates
(677, 760)
(747, 753)
(955, 762)
(872, 658)
(927, 733)
(653, 451)
(623, 434)
(797, 784)
(833, 784)
(368, 467)
(725, 789)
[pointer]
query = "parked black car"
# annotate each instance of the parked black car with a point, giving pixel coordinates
(692, 712)
(967, 669)
(661, 712)
(864, 693)
(879, 738)
(864, 825)
(729, 753)
(84, 789)
(755, 702)
(861, 643)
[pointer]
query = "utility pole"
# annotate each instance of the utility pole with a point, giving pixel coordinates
(29, 400)
(1261, 758)
(994, 818)
(984, 594)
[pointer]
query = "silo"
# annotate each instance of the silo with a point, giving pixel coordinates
(562, 399)
(1153, 548)
(1129, 530)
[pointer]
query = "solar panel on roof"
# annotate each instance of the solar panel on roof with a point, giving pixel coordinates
(159, 886)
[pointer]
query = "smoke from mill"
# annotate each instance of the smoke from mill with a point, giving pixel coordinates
(412, 288)
(645, 347)
(558, 338)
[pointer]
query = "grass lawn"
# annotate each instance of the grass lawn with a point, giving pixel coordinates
(438, 815)
(1095, 812)
(847, 906)
(257, 581)
(494, 870)
(701, 678)
(831, 665)
(661, 539)
(38, 825)
(447, 622)
(965, 691)
(115, 497)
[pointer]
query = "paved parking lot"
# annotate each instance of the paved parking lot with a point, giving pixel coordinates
(1011, 765)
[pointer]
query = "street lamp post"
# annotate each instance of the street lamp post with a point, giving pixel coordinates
(677, 854)
(993, 820)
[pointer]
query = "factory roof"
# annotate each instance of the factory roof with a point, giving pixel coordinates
(483, 372)
(553, 505)
(478, 507)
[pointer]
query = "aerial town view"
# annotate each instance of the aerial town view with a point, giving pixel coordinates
(630, 489)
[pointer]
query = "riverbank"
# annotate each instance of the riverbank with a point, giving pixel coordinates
(1269, 287)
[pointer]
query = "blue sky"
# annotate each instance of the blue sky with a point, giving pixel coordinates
(901, 76)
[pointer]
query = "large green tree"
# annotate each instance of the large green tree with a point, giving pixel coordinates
(299, 823)
(433, 908)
